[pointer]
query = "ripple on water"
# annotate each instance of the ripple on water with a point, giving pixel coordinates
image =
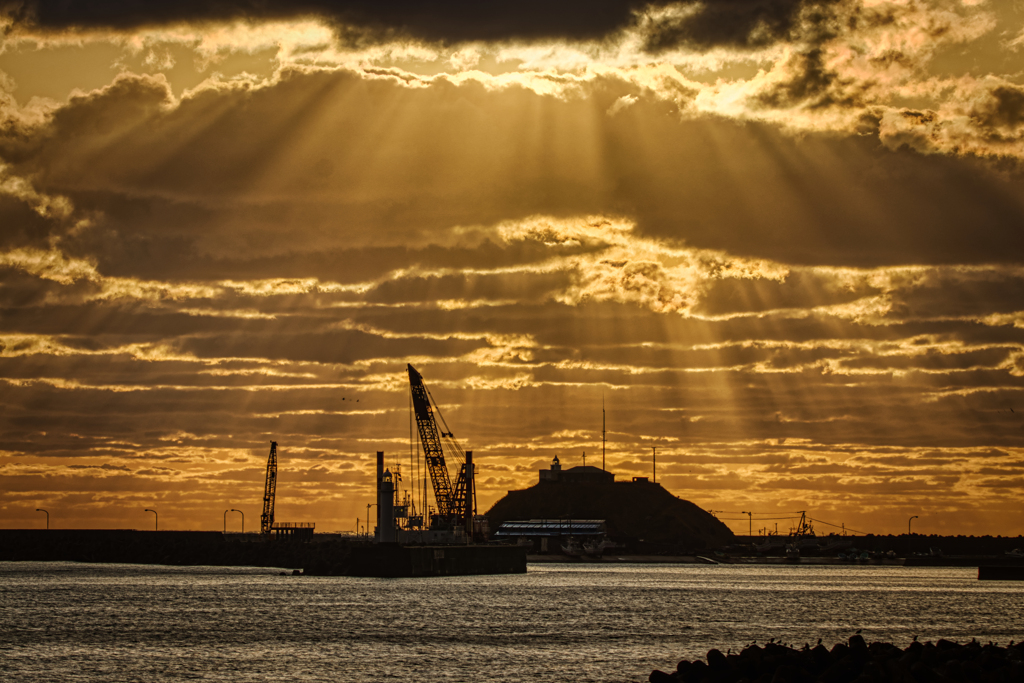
(77, 622)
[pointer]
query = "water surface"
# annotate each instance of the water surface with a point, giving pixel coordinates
(591, 622)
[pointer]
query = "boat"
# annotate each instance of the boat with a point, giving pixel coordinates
(597, 547)
(572, 548)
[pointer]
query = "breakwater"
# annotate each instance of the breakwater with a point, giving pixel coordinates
(878, 662)
(126, 546)
(328, 555)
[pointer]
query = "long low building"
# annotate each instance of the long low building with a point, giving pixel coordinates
(551, 528)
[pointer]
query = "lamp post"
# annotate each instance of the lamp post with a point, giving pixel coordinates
(909, 522)
(47, 517)
(243, 518)
(156, 519)
(368, 506)
(225, 521)
(750, 522)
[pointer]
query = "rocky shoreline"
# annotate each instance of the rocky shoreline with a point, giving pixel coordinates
(943, 661)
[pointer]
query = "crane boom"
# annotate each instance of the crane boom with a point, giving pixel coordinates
(448, 504)
(270, 491)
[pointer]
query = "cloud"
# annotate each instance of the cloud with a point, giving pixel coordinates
(737, 23)
(778, 240)
(453, 20)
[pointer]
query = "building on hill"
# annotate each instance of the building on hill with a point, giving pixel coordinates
(584, 474)
(638, 513)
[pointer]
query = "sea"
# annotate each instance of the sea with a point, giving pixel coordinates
(558, 622)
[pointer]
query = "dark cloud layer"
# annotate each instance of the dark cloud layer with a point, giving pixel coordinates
(734, 23)
(451, 20)
(744, 23)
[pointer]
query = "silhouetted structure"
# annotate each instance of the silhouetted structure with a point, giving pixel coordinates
(582, 474)
(455, 506)
(269, 491)
(641, 514)
(302, 531)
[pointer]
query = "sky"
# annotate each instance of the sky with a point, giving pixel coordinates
(779, 241)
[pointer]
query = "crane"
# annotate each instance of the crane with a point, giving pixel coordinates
(267, 518)
(452, 501)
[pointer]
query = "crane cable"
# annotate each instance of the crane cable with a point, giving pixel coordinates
(446, 433)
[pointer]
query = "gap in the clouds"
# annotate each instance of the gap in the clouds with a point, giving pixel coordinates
(185, 69)
(957, 60)
(55, 72)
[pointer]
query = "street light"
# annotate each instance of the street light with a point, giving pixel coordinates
(750, 522)
(47, 516)
(243, 518)
(368, 506)
(909, 522)
(156, 519)
(225, 521)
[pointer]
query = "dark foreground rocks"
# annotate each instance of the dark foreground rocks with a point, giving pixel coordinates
(857, 662)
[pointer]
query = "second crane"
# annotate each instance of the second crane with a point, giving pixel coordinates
(456, 505)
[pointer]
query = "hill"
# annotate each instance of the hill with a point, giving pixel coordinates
(633, 512)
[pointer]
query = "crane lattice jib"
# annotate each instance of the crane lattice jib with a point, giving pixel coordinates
(447, 506)
(267, 518)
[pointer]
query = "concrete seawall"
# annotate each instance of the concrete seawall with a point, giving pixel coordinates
(323, 557)
(156, 547)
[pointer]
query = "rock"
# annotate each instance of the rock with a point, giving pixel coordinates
(717, 661)
(821, 657)
(942, 662)
(840, 650)
(696, 672)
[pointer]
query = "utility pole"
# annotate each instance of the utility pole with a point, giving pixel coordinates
(603, 433)
(654, 464)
